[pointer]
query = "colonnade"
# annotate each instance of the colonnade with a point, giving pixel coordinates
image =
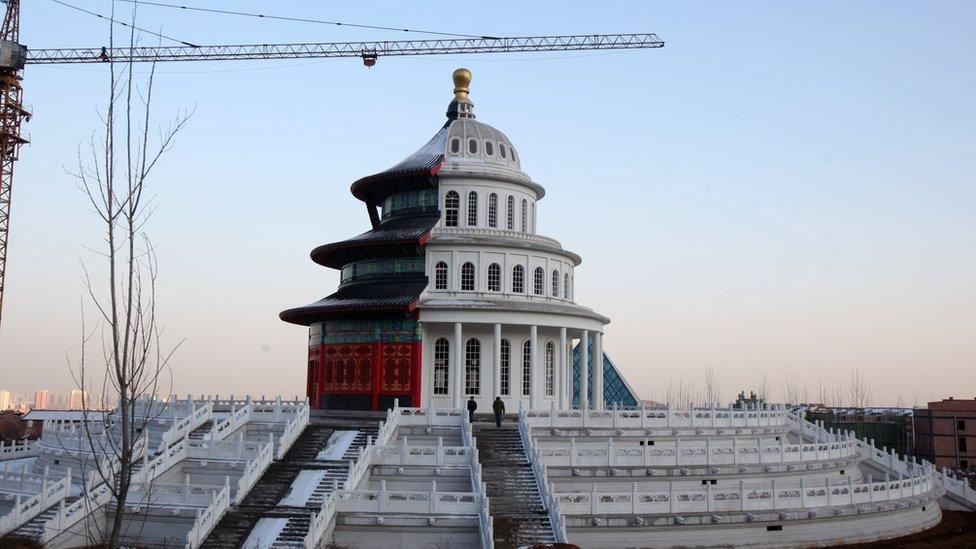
(563, 367)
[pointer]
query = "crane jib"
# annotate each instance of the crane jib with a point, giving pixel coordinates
(347, 49)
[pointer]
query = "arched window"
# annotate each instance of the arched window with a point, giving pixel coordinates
(550, 369)
(489, 148)
(452, 203)
(493, 210)
(473, 146)
(455, 145)
(527, 368)
(440, 276)
(494, 278)
(518, 279)
(566, 286)
(442, 357)
(510, 220)
(532, 219)
(472, 208)
(506, 365)
(467, 277)
(525, 214)
(539, 281)
(472, 367)
(501, 149)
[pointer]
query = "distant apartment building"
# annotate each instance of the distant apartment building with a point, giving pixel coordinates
(945, 433)
(41, 398)
(4, 400)
(887, 427)
(78, 398)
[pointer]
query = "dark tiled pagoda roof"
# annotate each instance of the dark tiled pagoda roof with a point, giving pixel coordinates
(417, 171)
(397, 237)
(357, 300)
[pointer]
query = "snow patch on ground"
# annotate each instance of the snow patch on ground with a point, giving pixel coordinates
(337, 446)
(302, 488)
(265, 532)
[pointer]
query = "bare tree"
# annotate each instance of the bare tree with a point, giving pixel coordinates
(791, 391)
(860, 389)
(712, 390)
(823, 395)
(132, 365)
(763, 389)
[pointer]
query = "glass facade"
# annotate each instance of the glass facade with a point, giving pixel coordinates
(423, 200)
(369, 269)
(614, 388)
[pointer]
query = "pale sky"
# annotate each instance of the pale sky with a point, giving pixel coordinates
(785, 189)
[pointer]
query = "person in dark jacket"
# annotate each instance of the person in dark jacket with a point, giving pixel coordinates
(499, 408)
(472, 406)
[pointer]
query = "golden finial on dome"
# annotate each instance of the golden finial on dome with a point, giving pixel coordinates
(462, 79)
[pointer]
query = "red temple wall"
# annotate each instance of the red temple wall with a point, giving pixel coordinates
(361, 370)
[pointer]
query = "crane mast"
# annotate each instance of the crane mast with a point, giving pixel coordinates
(12, 114)
(14, 56)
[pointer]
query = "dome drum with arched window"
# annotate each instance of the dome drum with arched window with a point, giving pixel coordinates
(452, 293)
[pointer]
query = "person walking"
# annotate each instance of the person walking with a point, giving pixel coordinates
(472, 406)
(499, 408)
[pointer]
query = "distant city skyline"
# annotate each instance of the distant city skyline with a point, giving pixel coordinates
(784, 191)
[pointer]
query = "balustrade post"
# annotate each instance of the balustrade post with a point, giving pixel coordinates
(381, 498)
(708, 451)
(803, 494)
(677, 452)
(633, 498)
(671, 506)
(708, 498)
(592, 498)
(735, 449)
(403, 451)
(646, 453)
(775, 494)
(572, 451)
(643, 413)
(742, 495)
(610, 453)
(440, 451)
(782, 449)
(730, 416)
(431, 505)
(850, 488)
(759, 444)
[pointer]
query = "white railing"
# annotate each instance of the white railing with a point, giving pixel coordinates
(238, 417)
(659, 418)
(709, 499)
(24, 481)
(431, 417)
(293, 429)
(172, 455)
(322, 523)
(235, 449)
(557, 519)
(187, 424)
(146, 495)
(16, 451)
(208, 518)
(254, 469)
(494, 233)
(887, 458)
(676, 454)
(69, 515)
(409, 501)
(26, 509)
(437, 455)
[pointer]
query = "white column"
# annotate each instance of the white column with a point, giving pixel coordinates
(585, 371)
(497, 364)
(458, 365)
(598, 371)
(534, 367)
(562, 369)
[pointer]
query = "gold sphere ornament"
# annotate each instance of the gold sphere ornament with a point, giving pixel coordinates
(462, 79)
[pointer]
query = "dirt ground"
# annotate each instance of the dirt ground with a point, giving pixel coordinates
(957, 530)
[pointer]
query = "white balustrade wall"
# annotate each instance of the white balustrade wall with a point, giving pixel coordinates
(299, 420)
(26, 509)
(546, 490)
(651, 418)
(208, 518)
(254, 469)
(17, 451)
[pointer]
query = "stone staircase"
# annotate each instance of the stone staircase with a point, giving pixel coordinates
(201, 431)
(263, 499)
(516, 507)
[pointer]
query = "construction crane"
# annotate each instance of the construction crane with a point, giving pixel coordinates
(14, 56)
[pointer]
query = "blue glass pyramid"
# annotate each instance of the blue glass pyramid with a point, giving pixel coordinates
(615, 389)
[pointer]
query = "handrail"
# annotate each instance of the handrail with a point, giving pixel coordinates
(208, 518)
(254, 469)
(16, 451)
(237, 418)
(556, 519)
(293, 429)
(25, 510)
(670, 418)
(773, 497)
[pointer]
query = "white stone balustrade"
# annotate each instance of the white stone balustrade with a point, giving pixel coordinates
(674, 454)
(666, 418)
(293, 429)
(17, 451)
(254, 469)
(409, 501)
(145, 495)
(238, 417)
(69, 515)
(556, 515)
(435, 455)
(709, 499)
(208, 518)
(235, 449)
(27, 508)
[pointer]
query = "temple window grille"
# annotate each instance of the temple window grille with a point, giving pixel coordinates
(527, 368)
(555, 283)
(510, 220)
(467, 277)
(539, 281)
(493, 210)
(472, 208)
(472, 367)
(566, 286)
(452, 203)
(442, 354)
(550, 369)
(494, 278)
(506, 367)
(525, 214)
(440, 276)
(518, 279)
